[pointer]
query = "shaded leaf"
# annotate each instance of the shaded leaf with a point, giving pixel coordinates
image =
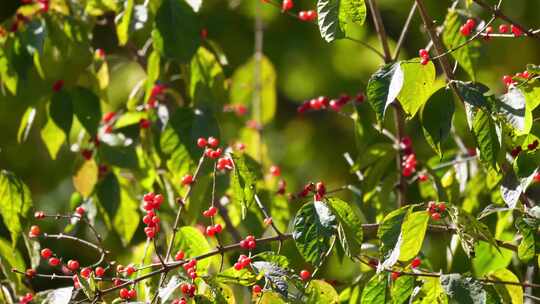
(349, 226)
(466, 56)
(487, 140)
(463, 289)
(87, 109)
(436, 117)
(335, 17)
(402, 289)
(383, 87)
(11, 258)
(61, 111)
(207, 83)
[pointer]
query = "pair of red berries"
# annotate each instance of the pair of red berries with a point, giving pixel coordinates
(128, 293)
(307, 16)
(213, 230)
(224, 163)
(409, 164)
(516, 30)
(468, 27)
(243, 262)
(152, 201)
(211, 141)
(210, 212)
(248, 243)
(435, 210)
(179, 301)
(126, 270)
(188, 289)
(27, 298)
(424, 55)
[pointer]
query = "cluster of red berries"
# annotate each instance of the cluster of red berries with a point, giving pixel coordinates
(323, 102)
(47, 254)
(307, 16)
(125, 293)
(532, 146)
(508, 80)
(243, 262)
(422, 177)
(179, 301)
(208, 144)
(126, 270)
(191, 268)
(107, 120)
(224, 163)
(435, 210)
(248, 243)
(409, 158)
(80, 211)
(210, 212)
(238, 109)
(319, 189)
(27, 298)
(516, 30)
(151, 203)
(424, 54)
(305, 275)
(213, 230)
(188, 289)
(468, 27)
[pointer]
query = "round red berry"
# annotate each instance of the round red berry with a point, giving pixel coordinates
(503, 28)
(416, 262)
(46, 253)
(213, 142)
(124, 293)
(201, 142)
(187, 179)
(35, 231)
(423, 53)
(275, 170)
(286, 5)
(100, 271)
(436, 216)
(54, 261)
(305, 275)
(395, 275)
(256, 289)
(80, 210)
(179, 255)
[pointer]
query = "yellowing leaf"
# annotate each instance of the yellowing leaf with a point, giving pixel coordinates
(86, 177)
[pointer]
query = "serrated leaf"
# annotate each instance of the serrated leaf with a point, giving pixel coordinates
(313, 226)
(402, 289)
(509, 293)
(27, 121)
(436, 117)
(349, 227)
(418, 85)
(87, 109)
(86, 177)
(177, 31)
(375, 290)
(321, 292)
(383, 88)
(473, 93)
(336, 16)
(243, 179)
(487, 140)
(207, 83)
(413, 231)
(56, 296)
(275, 276)
(463, 289)
(193, 243)
(242, 277)
(15, 202)
(466, 56)
(243, 87)
(527, 246)
(512, 106)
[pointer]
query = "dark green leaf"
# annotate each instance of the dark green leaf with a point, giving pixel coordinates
(108, 194)
(337, 16)
(349, 226)
(383, 87)
(15, 202)
(124, 157)
(436, 118)
(61, 110)
(390, 228)
(177, 31)
(473, 93)
(375, 290)
(87, 109)
(466, 56)
(463, 290)
(402, 289)
(485, 133)
(313, 227)
(33, 36)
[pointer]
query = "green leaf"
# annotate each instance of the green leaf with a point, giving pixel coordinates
(243, 87)
(321, 292)
(375, 290)
(466, 56)
(26, 124)
(11, 258)
(402, 289)
(53, 137)
(432, 291)
(242, 277)
(100, 7)
(152, 71)
(485, 133)
(413, 231)
(8, 73)
(349, 226)
(275, 276)
(87, 285)
(527, 246)
(124, 157)
(509, 293)
(61, 110)
(512, 106)
(463, 290)
(56, 296)
(193, 243)
(33, 36)
(244, 176)
(473, 93)
(390, 228)
(207, 83)
(86, 177)
(436, 118)
(313, 227)
(488, 258)
(87, 109)
(383, 88)
(177, 31)
(271, 298)
(15, 202)
(123, 26)
(127, 218)
(273, 257)
(418, 85)
(108, 193)
(336, 17)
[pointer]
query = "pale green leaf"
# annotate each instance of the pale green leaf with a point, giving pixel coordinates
(321, 292)
(15, 202)
(193, 243)
(207, 83)
(53, 137)
(26, 124)
(375, 290)
(123, 25)
(466, 56)
(418, 85)
(509, 293)
(413, 231)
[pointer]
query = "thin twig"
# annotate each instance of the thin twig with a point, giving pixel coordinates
(495, 11)
(404, 31)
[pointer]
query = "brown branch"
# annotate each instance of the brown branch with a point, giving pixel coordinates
(62, 236)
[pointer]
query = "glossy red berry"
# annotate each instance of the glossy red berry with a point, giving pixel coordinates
(470, 23)
(305, 275)
(516, 30)
(395, 275)
(507, 80)
(441, 207)
(286, 5)
(130, 269)
(201, 142)
(187, 179)
(416, 262)
(132, 293)
(424, 61)
(35, 231)
(423, 177)
(99, 271)
(73, 265)
(275, 170)
(436, 216)
(46, 253)
(307, 15)
(179, 255)
(54, 261)
(124, 293)
(536, 177)
(58, 85)
(80, 210)
(39, 215)
(503, 28)
(465, 30)
(213, 142)
(423, 53)
(85, 272)
(256, 289)
(30, 272)
(108, 117)
(144, 123)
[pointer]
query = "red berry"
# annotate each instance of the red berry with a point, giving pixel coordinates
(436, 216)
(187, 179)
(465, 30)
(416, 262)
(39, 215)
(179, 255)
(57, 86)
(424, 61)
(395, 275)
(100, 53)
(144, 123)
(46, 253)
(130, 270)
(100, 271)
(268, 221)
(30, 272)
(286, 5)
(54, 261)
(470, 23)
(213, 142)
(537, 177)
(35, 231)
(218, 228)
(158, 89)
(210, 231)
(256, 289)
(201, 142)
(275, 170)
(516, 30)
(507, 80)
(525, 75)
(442, 207)
(423, 53)
(80, 211)
(422, 177)
(307, 15)
(107, 117)
(305, 275)
(132, 293)
(73, 265)
(85, 272)
(124, 293)
(503, 28)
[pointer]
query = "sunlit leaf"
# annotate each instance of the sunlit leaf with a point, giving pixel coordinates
(321, 292)
(375, 291)
(15, 202)
(336, 17)
(86, 177)
(383, 88)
